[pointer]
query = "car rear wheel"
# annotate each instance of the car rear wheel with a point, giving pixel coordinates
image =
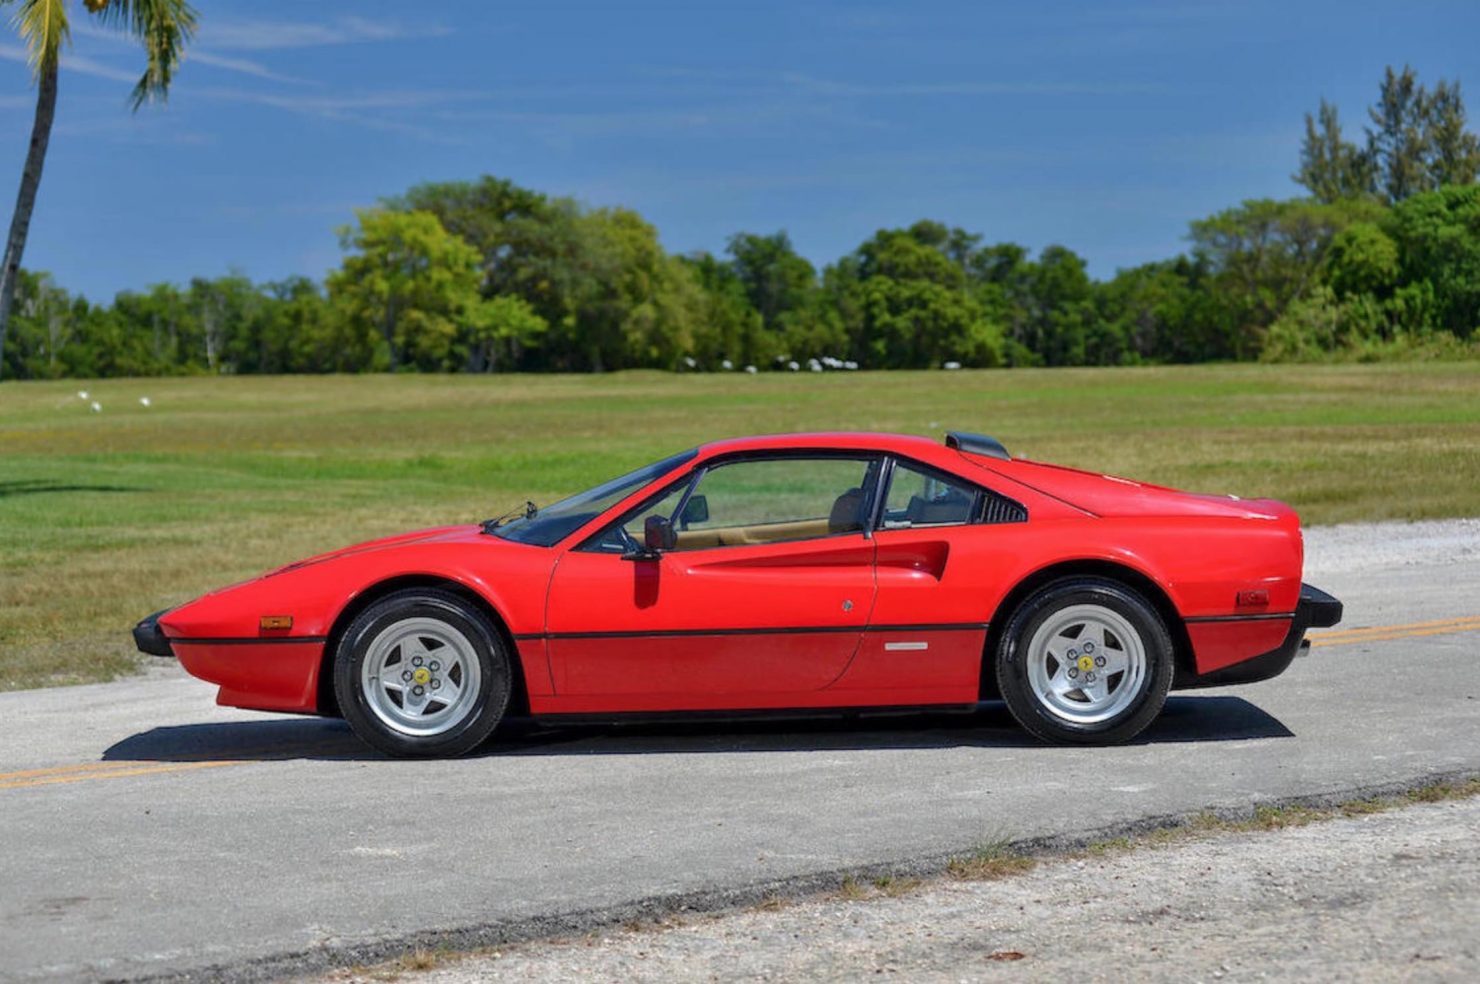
(1084, 661)
(422, 673)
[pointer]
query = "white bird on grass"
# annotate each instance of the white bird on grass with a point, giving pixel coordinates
(97, 407)
(143, 401)
(82, 394)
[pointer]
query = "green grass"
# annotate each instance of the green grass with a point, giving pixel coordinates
(108, 516)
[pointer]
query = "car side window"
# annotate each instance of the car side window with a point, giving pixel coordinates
(769, 500)
(759, 500)
(924, 497)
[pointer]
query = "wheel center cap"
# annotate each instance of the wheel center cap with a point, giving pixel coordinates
(422, 675)
(1086, 663)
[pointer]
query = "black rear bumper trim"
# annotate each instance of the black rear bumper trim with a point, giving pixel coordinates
(1321, 610)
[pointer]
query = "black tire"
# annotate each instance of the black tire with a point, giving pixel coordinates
(1142, 703)
(487, 702)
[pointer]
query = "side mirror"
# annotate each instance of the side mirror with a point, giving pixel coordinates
(658, 534)
(696, 510)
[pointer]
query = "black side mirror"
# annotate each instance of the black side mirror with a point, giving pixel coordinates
(696, 510)
(658, 534)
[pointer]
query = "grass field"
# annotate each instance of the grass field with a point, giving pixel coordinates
(105, 517)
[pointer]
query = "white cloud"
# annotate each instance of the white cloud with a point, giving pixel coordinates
(192, 54)
(75, 63)
(243, 65)
(265, 35)
(983, 88)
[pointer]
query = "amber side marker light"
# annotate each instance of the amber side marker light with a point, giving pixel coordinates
(276, 622)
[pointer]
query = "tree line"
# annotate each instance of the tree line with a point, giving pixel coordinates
(1381, 258)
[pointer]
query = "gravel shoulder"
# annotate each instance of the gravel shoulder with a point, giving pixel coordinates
(1358, 548)
(1335, 900)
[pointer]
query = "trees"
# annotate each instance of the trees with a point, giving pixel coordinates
(729, 327)
(779, 283)
(908, 303)
(1438, 242)
(1331, 167)
(1417, 142)
(1265, 254)
(164, 27)
(400, 300)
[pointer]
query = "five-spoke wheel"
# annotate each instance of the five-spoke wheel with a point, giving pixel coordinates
(1085, 660)
(422, 672)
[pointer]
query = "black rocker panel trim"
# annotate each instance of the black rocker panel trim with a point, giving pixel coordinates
(749, 715)
(788, 630)
(1256, 617)
(249, 641)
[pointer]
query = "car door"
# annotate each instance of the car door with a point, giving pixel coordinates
(761, 601)
(935, 570)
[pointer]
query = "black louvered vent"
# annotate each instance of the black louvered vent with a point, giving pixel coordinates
(1001, 509)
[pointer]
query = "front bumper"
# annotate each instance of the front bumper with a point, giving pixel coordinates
(1315, 610)
(150, 638)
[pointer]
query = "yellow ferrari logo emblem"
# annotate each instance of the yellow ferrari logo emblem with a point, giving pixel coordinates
(1086, 663)
(422, 675)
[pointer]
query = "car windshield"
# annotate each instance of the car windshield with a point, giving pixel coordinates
(550, 524)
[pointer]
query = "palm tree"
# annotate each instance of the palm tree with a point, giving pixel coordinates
(164, 27)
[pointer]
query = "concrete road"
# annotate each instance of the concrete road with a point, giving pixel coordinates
(148, 832)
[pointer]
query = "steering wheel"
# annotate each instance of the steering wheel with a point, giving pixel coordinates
(629, 543)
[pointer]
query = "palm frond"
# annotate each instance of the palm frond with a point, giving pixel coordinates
(165, 27)
(43, 26)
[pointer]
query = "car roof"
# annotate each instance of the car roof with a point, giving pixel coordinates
(908, 444)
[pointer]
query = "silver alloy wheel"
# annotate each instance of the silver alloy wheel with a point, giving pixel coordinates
(1086, 664)
(421, 677)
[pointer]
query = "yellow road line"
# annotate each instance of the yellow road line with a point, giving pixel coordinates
(1388, 633)
(1463, 621)
(63, 769)
(106, 770)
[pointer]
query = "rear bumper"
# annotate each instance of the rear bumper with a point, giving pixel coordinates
(150, 638)
(1321, 611)
(1316, 609)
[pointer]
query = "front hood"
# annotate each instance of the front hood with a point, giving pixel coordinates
(1111, 496)
(313, 590)
(440, 533)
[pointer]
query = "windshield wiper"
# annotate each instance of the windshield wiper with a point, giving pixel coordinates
(529, 511)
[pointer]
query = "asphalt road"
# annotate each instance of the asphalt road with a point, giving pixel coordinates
(148, 832)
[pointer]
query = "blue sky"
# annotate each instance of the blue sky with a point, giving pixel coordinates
(1104, 127)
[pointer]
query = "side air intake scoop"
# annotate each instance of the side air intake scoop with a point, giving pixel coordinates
(977, 444)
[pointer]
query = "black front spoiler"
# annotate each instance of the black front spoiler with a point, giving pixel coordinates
(1315, 610)
(150, 638)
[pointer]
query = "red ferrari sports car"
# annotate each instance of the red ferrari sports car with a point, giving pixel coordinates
(801, 572)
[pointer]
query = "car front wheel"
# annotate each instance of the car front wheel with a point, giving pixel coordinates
(1085, 661)
(422, 673)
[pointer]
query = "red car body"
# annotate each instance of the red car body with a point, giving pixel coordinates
(876, 618)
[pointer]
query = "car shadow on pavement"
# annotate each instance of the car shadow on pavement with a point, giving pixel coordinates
(1185, 719)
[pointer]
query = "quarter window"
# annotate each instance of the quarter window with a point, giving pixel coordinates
(922, 497)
